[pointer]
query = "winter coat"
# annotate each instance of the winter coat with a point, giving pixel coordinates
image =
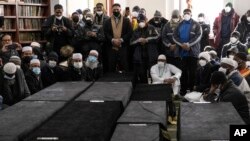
(35, 84)
(244, 29)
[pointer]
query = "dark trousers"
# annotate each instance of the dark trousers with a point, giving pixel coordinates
(222, 43)
(140, 73)
(188, 67)
(176, 61)
(118, 60)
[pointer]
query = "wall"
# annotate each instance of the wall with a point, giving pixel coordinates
(241, 6)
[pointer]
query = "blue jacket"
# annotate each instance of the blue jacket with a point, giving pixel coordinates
(194, 36)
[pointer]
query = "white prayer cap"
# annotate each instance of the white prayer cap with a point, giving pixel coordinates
(35, 44)
(77, 56)
(35, 61)
(161, 57)
(213, 52)
(230, 62)
(9, 68)
(205, 55)
(26, 48)
(94, 52)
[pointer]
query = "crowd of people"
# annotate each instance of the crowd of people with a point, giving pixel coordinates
(177, 52)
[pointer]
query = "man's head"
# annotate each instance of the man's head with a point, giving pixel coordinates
(52, 59)
(116, 8)
(228, 7)
(127, 11)
(204, 58)
(227, 65)
(201, 18)
(99, 8)
(93, 56)
(89, 18)
(6, 39)
(58, 10)
(77, 60)
(218, 79)
(35, 66)
(187, 14)
(27, 51)
(9, 69)
(175, 16)
(213, 54)
(16, 60)
(241, 59)
(208, 48)
(157, 17)
(235, 36)
(141, 19)
(162, 60)
(75, 17)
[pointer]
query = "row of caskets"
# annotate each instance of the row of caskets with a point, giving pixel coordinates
(102, 111)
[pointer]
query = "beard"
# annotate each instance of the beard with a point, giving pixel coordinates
(91, 65)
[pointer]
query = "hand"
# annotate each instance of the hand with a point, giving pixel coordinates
(93, 34)
(213, 88)
(4, 48)
(185, 47)
(89, 33)
(19, 46)
(170, 80)
(117, 42)
(64, 28)
(143, 41)
(173, 47)
(54, 28)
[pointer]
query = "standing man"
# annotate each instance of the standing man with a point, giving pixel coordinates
(187, 36)
(100, 17)
(58, 29)
(224, 25)
(244, 27)
(205, 31)
(118, 30)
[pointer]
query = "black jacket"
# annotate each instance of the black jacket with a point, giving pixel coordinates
(203, 76)
(33, 82)
(49, 75)
(147, 53)
(17, 92)
(240, 47)
(205, 36)
(93, 74)
(159, 26)
(76, 74)
(243, 28)
(58, 39)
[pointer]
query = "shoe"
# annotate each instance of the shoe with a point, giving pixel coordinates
(170, 120)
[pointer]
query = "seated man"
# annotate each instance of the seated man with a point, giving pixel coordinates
(228, 67)
(161, 73)
(13, 87)
(223, 90)
(76, 67)
(92, 69)
(33, 76)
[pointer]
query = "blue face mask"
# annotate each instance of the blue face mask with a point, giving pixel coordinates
(92, 59)
(36, 70)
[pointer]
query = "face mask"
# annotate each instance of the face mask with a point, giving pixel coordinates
(202, 63)
(231, 56)
(233, 40)
(187, 17)
(221, 69)
(227, 9)
(99, 12)
(156, 22)
(248, 19)
(176, 20)
(27, 59)
(75, 19)
(59, 17)
(135, 14)
(200, 19)
(92, 59)
(36, 70)
(161, 64)
(116, 14)
(52, 64)
(78, 65)
(142, 24)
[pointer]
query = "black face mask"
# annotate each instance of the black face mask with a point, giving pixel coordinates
(75, 19)
(116, 14)
(88, 22)
(26, 59)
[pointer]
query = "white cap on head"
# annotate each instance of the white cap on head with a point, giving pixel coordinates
(26, 48)
(94, 52)
(35, 61)
(77, 56)
(161, 57)
(213, 52)
(9, 68)
(35, 44)
(205, 55)
(230, 62)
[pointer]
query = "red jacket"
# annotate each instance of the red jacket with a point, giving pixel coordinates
(217, 26)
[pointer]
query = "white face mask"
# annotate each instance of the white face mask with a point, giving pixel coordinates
(78, 65)
(248, 63)
(88, 18)
(59, 17)
(99, 12)
(233, 40)
(187, 17)
(142, 24)
(175, 20)
(134, 14)
(201, 19)
(223, 70)
(231, 56)
(227, 9)
(52, 64)
(202, 62)
(248, 19)
(161, 64)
